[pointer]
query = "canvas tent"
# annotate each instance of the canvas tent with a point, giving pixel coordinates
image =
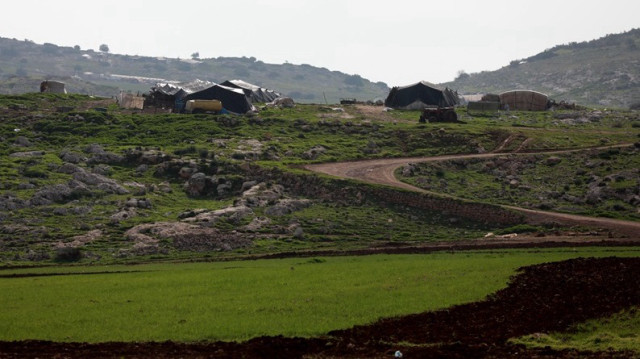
(233, 99)
(524, 100)
(420, 95)
(253, 92)
(170, 95)
(52, 87)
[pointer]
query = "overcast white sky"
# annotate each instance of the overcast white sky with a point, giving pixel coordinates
(395, 41)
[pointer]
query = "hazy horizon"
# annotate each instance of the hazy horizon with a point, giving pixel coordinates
(409, 42)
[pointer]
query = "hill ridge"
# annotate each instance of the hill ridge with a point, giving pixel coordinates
(600, 72)
(25, 63)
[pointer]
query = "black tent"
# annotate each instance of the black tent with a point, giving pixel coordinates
(170, 95)
(233, 99)
(253, 92)
(419, 96)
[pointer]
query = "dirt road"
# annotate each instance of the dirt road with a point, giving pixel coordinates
(382, 171)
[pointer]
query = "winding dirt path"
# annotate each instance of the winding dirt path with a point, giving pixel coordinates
(382, 171)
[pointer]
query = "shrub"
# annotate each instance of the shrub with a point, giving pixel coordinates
(68, 254)
(184, 151)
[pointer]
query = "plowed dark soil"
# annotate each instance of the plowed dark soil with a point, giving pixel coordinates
(539, 298)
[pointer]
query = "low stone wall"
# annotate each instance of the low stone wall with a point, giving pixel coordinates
(478, 212)
(353, 193)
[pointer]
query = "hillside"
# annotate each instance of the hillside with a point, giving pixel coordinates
(85, 180)
(23, 63)
(602, 72)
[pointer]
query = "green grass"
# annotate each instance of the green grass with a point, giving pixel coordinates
(243, 299)
(561, 187)
(618, 332)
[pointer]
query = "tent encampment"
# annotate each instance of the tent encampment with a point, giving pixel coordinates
(420, 95)
(233, 99)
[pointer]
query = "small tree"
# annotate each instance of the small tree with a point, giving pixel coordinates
(68, 254)
(104, 48)
(461, 75)
(195, 55)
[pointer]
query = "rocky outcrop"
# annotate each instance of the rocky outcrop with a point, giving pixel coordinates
(287, 206)
(232, 214)
(186, 236)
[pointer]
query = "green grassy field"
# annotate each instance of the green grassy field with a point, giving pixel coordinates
(619, 332)
(243, 299)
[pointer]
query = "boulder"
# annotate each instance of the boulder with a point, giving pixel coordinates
(287, 206)
(260, 195)
(102, 169)
(282, 102)
(27, 154)
(146, 157)
(198, 184)
(553, 160)
(122, 215)
(106, 158)
(138, 203)
(187, 172)
(138, 189)
(186, 236)
(233, 214)
(257, 224)
(298, 232)
(112, 187)
(94, 148)
(58, 193)
(69, 168)
(22, 142)
(314, 152)
(72, 157)
(26, 185)
(8, 202)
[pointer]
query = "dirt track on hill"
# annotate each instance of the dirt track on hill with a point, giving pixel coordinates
(382, 171)
(539, 299)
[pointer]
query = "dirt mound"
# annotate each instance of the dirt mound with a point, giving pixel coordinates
(540, 298)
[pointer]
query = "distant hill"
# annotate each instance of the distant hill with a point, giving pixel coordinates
(602, 72)
(23, 63)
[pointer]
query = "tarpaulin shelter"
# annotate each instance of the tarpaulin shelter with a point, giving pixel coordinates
(253, 92)
(233, 99)
(524, 100)
(420, 95)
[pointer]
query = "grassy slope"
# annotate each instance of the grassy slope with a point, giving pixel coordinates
(240, 300)
(540, 182)
(287, 134)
